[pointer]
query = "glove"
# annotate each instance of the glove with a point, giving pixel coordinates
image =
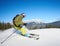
(25, 24)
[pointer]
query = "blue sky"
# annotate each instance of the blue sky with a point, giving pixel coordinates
(46, 10)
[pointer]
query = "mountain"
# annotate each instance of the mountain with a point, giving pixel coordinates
(35, 24)
(55, 24)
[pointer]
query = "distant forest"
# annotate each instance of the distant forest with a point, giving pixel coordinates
(4, 26)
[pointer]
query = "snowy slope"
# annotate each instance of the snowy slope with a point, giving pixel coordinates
(48, 37)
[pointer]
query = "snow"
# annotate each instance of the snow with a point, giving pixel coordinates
(48, 37)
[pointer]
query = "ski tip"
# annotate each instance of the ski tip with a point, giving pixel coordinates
(37, 38)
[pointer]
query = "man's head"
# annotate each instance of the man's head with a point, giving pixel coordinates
(23, 15)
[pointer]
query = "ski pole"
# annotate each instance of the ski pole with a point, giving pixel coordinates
(7, 37)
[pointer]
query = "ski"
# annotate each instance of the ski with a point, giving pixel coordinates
(35, 36)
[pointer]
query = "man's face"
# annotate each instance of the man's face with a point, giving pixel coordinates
(23, 15)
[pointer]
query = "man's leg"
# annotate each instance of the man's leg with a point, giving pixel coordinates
(24, 32)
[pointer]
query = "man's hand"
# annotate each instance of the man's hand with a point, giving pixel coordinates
(25, 24)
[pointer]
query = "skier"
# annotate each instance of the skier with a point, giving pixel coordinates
(18, 24)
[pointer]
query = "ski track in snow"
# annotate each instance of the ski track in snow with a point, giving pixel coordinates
(48, 37)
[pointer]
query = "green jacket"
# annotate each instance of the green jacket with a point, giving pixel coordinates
(18, 20)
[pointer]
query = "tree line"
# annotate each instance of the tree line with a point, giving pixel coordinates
(4, 26)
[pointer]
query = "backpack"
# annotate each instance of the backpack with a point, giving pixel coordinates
(14, 19)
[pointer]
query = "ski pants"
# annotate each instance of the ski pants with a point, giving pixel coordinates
(22, 30)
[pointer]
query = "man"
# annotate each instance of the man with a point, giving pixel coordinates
(18, 24)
